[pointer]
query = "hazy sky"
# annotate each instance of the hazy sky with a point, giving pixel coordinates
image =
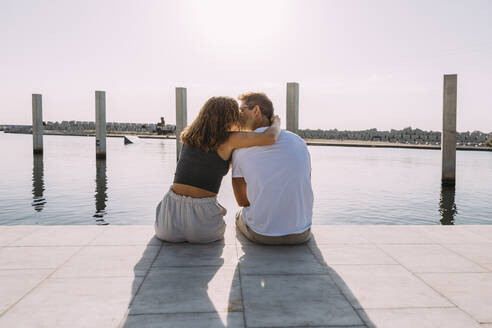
(360, 64)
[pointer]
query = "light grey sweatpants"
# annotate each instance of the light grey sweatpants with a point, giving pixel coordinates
(195, 220)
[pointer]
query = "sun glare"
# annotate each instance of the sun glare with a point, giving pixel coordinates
(234, 22)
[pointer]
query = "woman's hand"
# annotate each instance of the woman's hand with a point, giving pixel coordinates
(275, 120)
(238, 139)
(274, 130)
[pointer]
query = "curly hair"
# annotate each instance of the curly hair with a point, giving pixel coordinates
(210, 128)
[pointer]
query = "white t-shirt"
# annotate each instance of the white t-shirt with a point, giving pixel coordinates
(278, 179)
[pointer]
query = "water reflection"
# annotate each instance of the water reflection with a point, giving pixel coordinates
(38, 199)
(101, 195)
(447, 205)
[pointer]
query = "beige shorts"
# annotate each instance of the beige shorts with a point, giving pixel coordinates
(195, 220)
(292, 239)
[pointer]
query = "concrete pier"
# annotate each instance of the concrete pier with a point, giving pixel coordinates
(346, 276)
(181, 119)
(37, 124)
(448, 140)
(100, 124)
(293, 106)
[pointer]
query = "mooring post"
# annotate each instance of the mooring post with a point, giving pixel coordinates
(38, 200)
(100, 124)
(448, 138)
(180, 117)
(292, 107)
(37, 124)
(447, 205)
(101, 191)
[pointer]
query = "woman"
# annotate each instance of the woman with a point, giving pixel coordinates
(190, 211)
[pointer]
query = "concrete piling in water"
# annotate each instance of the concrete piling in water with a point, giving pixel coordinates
(448, 139)
(38, 200)
(37, 124)
(447, 204)
(180, 117)
(100, 124)
(292, 107)
(101, 192)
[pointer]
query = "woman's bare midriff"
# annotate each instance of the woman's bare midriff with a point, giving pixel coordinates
(195, 192)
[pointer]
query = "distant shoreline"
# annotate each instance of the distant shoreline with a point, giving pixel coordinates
(109, 135)
(382, 144)
(310, 142)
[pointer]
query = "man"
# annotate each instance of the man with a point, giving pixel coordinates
(272, 183)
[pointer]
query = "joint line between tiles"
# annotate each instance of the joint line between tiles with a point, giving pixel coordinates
(325, 265)
(133, 297)
(431, 287)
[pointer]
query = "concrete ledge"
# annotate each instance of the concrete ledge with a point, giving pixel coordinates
(345, 276)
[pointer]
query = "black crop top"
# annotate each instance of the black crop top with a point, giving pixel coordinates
(200, 168)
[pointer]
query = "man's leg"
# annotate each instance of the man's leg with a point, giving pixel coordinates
(243, 227)
(298, 238)
(293, 239)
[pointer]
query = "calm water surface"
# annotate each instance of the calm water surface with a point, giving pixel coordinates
(67, 185)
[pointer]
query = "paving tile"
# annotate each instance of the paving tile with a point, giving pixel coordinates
(230, 234)
(330, 326)
(421, 318)
(452, 235)
(16, 283)
(192, 289)
(479, 253)
(385, 234)
(145, 235)
(127, 235)
(295, 300)
(471, 292)
(10, 234)
(483, 230)
(34, 257)
(109, 261)
(335, 234)
(260, 259)
(74, 302)
(350, 254)
(60, 236)
(384, 286)
(186, 320)
(430, 258)
(196, 255)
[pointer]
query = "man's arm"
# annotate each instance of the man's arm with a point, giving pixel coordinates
(239, 187)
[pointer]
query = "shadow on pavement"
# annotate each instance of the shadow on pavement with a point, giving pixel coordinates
(240, 285)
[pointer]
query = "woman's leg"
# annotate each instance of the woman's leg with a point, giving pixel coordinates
(166, 227)
(204, 222)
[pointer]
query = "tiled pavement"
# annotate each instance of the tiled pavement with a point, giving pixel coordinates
(346, 276)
